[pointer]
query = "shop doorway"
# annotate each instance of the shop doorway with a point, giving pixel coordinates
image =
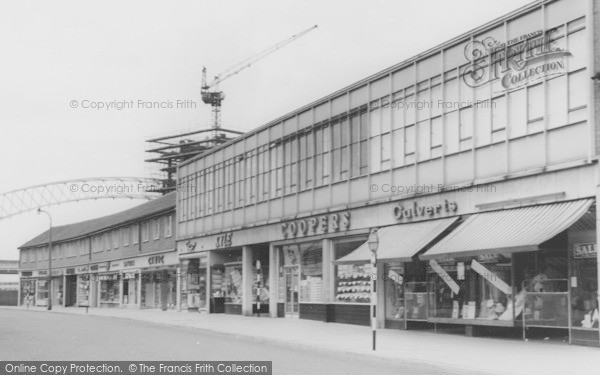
(71, 290)
(291, 278)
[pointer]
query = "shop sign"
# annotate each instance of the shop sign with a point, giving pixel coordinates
(316, 225)
(156, 260)
(585, 250)
(129, 275)
(43, 273)
(94, 268)
(70, 271)
(82, 269)
(415, 210)
(224, 240)
(57, 272)
(26, 273)
(518, 62)
(129, 263)
(488, 258)
(111, 277)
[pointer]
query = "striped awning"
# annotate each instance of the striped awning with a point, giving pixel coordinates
(509, 231)
(401, 242)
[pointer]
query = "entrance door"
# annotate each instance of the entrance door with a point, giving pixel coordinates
(71, 290)
(291, 278)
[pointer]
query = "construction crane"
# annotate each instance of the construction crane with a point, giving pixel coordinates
(210, 91)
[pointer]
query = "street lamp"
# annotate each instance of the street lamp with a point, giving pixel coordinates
(373, 242)
(49, 258)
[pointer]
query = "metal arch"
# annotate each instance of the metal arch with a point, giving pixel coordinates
(31, 198)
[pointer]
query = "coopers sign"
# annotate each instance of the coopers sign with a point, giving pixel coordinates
(316, 225)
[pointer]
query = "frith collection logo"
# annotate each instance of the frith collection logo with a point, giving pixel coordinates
(518, 62)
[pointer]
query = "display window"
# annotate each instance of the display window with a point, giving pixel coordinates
(28, 291)
(260, 276)
(57, 290)
(159, 289)
(109, 288)
(193, 284)
(83, 290)
(41, 295)
(544, 276)
(584, 286)
(232, 282)
(394, 291)
(130, 288)
(311, 272)
(474, 288)
(352, 281)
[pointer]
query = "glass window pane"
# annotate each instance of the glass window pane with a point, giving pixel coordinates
(375, 122)
(436, 132)
(466, 123)
(557, 101)
(535, 102)
(375, 160)
(578, 89)
(499, 113)
(409, 140)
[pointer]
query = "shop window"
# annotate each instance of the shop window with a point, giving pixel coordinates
(584, 286)
(474, 288)
(193, 284)
(352, 281)
(311, 276)
(109, 289)
(130, 283)
(394, 291)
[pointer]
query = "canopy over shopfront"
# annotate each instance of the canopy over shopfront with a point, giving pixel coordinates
(509, 231)
(401, 242)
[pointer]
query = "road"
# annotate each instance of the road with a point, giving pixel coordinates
(39, 335)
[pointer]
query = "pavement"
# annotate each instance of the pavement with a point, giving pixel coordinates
(450, 352)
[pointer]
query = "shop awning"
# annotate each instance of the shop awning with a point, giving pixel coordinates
(401, 242)
(509, 231)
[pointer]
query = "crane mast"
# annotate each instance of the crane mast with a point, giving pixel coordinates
(210, 91)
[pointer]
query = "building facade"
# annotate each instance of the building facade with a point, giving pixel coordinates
(475, 161)
(127, 259)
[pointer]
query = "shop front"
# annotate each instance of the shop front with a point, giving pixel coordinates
(529, 269)
(194, 283)
(57, 287)
(226, 281)
(109, 289)
(42, 288)
(80, 285)
(28, 292)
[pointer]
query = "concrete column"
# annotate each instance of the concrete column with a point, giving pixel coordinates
(121, 289)
(208, 279)
(247, 281)
(19, 291)
(139, 290)
(64, 292)
(328, 274)
(273, 280)
(178, 288)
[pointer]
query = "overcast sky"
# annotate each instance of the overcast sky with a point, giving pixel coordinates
(59, 51)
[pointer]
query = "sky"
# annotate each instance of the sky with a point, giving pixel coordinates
(55, 53)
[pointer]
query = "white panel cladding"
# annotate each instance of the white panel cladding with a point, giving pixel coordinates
(447, 140)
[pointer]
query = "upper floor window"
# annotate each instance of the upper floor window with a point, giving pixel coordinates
(168, 226)
(145, 230)
(135, 234)
(115, 238)
(125, 233)
(156, 229)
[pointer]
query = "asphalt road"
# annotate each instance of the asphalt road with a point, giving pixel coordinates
(38, 335)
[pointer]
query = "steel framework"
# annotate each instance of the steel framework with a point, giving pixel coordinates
(31, 198)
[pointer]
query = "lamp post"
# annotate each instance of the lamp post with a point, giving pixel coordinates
(49, 259)
(373, 246)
